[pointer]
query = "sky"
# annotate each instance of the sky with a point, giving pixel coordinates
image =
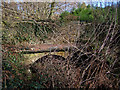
(94, 2)
(87, 1)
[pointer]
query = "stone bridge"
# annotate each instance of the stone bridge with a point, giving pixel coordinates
(33, 53)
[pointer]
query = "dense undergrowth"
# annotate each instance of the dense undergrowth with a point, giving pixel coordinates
(30, 32)
(94, 63)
